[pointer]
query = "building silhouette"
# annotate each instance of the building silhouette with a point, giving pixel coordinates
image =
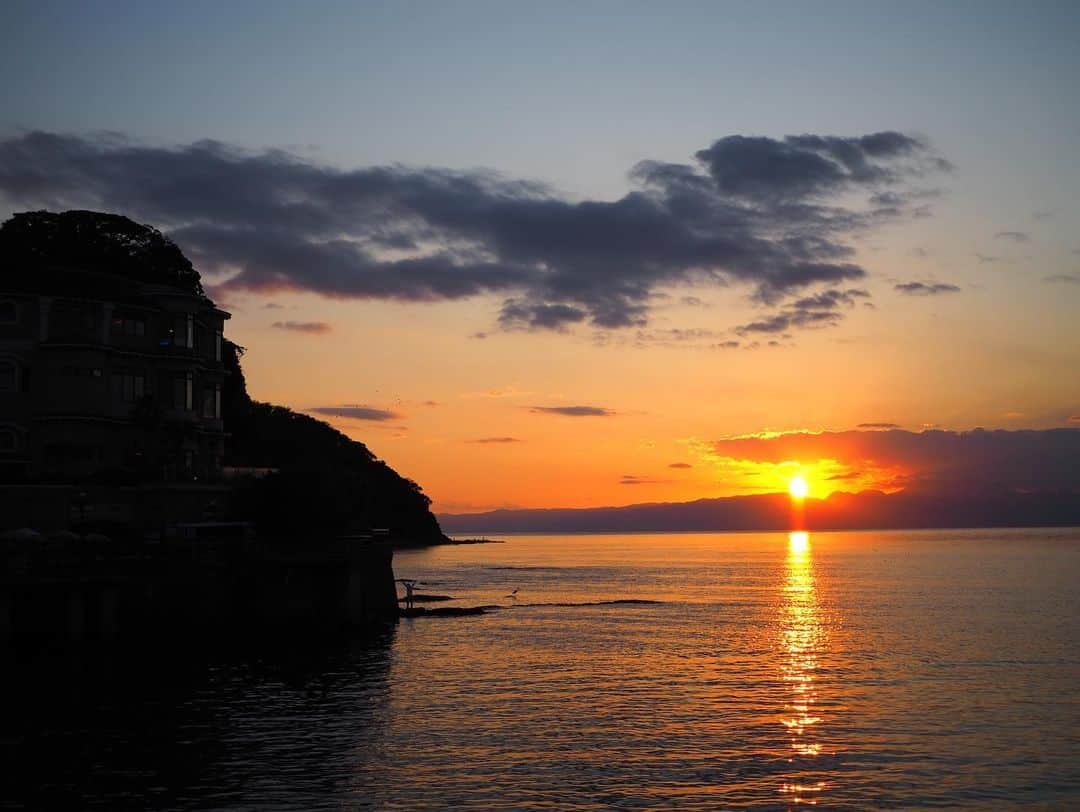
(110, 397)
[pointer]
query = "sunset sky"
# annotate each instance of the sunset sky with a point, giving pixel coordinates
(574, 254)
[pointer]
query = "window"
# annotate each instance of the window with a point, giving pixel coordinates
(83, 372)
(131, 326)
(9, 441)
(133, 386)
(185, 330)
(217, 345)
(9, 312)
(211, 406)
(183, 386)
(9, 376)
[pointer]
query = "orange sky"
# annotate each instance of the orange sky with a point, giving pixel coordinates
(945, 362)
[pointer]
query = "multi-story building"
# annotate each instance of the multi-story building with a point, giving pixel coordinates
(105, 379)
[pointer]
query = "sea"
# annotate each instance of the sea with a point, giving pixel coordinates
(886, 670)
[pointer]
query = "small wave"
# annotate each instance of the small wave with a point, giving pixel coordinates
(620, 602)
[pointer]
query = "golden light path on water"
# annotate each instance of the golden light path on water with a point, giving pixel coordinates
(802, 638)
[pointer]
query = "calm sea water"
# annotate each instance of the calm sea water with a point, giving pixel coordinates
(929, 669)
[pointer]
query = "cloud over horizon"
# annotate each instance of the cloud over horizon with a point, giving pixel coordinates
(772, 215)
(1025, 460)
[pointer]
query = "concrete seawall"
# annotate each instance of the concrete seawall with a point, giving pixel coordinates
(89, 591)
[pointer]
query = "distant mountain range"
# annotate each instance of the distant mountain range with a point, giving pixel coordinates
(868, 510)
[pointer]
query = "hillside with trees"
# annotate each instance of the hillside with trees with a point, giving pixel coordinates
(323, 483)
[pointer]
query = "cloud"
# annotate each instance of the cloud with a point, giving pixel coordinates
(518, 314)
(314, 327)
(490, 440)
(627, 479)
(354, 412)
(680, 465)
(573, 411)
(505, 392)
(925, 289)
(986, 260)
(877, 426)
(272, 306)
(1074, 418)
(801, 167)
(1066, 278)
(934, 459)
(782, 322)
(1015, 236)
(773, 215)
(822, 309)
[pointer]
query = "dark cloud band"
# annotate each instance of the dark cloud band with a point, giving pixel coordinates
(771, 214)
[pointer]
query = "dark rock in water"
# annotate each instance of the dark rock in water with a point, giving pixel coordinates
(420, 597)
(448, 611)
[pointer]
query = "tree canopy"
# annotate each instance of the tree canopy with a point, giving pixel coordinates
(96, 241)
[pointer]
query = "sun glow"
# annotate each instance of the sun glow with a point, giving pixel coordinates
(798, 487)
(798, 542)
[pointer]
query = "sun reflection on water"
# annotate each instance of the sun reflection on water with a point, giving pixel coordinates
(802, 638)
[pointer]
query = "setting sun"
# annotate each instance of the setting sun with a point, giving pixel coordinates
(798, 487)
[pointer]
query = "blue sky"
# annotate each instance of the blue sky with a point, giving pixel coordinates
(572, 93)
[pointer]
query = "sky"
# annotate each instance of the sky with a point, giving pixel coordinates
(540, 255)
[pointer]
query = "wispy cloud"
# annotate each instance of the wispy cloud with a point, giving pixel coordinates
(822, 309)
(495, 440)
(1014, 236)
(878, 426)
(1066, 278)
(924, 288)
(313, 327)
(573, 411)
(680, 465)
(356, 412)
(627, 479)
